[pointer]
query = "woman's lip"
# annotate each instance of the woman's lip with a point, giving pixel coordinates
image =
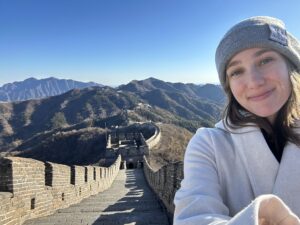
(261, 96)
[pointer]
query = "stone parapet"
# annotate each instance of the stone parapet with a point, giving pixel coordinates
(151, 142)
(165, 182)
(31, 188)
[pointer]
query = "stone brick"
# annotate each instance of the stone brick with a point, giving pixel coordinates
(24, 194)
(165, 182)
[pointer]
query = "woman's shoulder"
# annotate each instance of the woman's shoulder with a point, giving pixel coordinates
(209, 138)
(223, 129)
(218, 138)
(210, 133)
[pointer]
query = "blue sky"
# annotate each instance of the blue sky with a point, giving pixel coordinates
(115, 41)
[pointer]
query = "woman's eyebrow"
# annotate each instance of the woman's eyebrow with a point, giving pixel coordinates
(260, 52)
(233, 63)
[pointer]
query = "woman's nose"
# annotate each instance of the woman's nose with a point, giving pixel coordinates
(256, 78)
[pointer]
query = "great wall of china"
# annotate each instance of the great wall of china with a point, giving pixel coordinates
(165, 182)
(31, 188)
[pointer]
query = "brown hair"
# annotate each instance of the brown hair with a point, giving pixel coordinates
(236, 116)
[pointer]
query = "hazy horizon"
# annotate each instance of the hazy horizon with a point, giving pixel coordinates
(111, 85)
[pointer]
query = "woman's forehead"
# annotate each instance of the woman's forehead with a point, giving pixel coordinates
(248, 53)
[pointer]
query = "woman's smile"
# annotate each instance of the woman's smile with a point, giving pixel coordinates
(261, 96)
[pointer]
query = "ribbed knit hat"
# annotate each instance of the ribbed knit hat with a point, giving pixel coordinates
(256, 32)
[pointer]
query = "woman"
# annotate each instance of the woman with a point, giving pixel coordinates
(246, 170)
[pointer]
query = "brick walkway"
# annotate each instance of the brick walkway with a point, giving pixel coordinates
(128, 201)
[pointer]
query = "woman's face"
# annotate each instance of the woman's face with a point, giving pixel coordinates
(259, 80)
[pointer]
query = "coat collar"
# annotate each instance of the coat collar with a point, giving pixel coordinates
(249, 127)
(259, 161)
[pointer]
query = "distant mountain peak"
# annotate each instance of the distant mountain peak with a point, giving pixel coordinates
(30, 79)
(32, 88)
(208, 91)
(153, 79)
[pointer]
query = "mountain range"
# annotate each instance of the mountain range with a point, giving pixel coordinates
(86, 114)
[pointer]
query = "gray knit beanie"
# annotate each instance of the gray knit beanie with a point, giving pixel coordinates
(256, 32)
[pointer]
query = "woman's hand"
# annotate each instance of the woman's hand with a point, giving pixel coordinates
(289, 220)
(273, 211)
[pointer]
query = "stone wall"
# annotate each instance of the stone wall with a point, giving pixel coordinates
(165, 182)
(151, 142)
(126, 147)
(30, 188)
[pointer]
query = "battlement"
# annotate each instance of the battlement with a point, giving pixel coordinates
(165, 182)
(132, 146)
(31, 188)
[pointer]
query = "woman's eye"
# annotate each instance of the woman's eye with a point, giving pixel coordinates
(235, 73)
(265, 61)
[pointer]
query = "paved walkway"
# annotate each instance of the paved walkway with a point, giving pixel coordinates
(128, 201)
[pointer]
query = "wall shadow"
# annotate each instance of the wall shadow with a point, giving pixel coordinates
(139, 206)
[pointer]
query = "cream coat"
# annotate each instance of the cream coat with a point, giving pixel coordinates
(225, 172)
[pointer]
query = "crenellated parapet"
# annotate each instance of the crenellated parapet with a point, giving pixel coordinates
(31, 188)
(165, 182)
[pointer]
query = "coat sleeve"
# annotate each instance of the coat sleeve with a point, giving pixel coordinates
(199, 200)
